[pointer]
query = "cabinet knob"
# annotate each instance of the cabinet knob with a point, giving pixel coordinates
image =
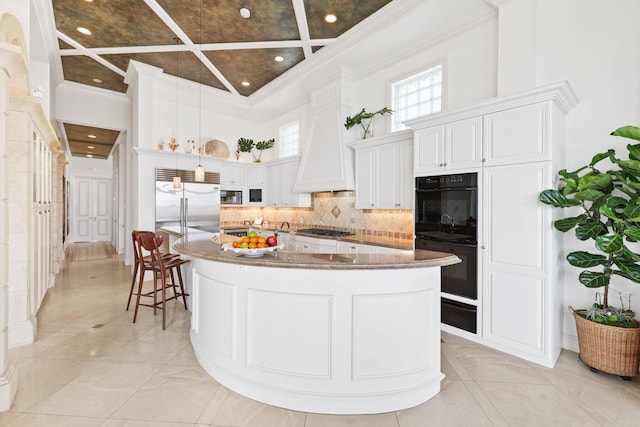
(372, 205)
(441, 164)
(484, 160)
(482, 247)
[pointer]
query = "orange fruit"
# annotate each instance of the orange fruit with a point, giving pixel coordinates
(262, 239)
(261, 245)
(252, 245)
(244, 239)
(253, 239)
(236, 244)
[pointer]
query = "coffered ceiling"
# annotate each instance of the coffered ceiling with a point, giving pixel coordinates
(211, 42)
(204, 41)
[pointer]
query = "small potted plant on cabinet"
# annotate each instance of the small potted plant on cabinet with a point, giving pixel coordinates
(364, 119)
(609, 205)
(246, 145)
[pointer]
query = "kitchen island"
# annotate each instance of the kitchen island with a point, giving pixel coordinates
(325, 333)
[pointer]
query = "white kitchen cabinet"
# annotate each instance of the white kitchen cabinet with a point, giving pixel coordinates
(522, 293)
(519, 135)
(384, 176)
(233, 175)
(255, 176)
(354, 248)
(343, 247)
(450, 146)
(521, 139)
(313, 245)
(280, 177)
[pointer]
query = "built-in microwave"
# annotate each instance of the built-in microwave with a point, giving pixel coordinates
(230, 197)
(255, 195)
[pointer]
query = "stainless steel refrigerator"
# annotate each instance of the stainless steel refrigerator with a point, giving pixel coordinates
(193, 205)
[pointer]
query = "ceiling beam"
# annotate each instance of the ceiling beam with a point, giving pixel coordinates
(303, 27)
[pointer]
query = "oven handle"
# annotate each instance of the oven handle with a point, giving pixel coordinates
(468, 245)
(436, 190)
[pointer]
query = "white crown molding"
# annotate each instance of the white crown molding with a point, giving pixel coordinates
(560, 93)
(45, 17)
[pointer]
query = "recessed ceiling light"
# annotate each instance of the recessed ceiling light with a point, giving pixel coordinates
(330, 18)
(91, 136)
(245, 13)
(89, 155)
(246, 83)
(84, 31)
(96, 80)
(279, 58)
(90, 147)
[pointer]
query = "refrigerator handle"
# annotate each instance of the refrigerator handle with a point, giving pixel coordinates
(183, 213)
(186, 212)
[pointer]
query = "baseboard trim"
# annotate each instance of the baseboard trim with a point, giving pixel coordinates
(8, 388)
(22, 333)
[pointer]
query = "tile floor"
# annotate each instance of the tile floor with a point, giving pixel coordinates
(90, 366)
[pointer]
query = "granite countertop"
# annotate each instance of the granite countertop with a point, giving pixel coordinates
(201, 245)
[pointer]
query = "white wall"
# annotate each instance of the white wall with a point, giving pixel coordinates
(92, 168)
(469, 72)
(593, 45)
(214, 125)
(81, 104)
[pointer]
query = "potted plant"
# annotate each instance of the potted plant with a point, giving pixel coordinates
(363, 118)
(246, 145)
(608, 201)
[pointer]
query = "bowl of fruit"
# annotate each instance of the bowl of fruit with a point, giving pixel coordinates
(253, 245)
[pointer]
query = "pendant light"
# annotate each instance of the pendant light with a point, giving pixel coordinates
(199, 171)
(177, 181)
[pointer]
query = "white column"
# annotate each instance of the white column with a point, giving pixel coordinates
(8, 374)
(516, 45)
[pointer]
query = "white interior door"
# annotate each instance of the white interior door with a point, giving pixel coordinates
(92, 209)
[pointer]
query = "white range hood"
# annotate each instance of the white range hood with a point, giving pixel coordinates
(327, 162)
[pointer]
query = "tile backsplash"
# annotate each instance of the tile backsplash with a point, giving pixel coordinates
(329, 210)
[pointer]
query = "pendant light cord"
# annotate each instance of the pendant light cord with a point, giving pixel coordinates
(200, 89)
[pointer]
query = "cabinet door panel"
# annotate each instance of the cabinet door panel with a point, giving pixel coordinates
(463, 143)
(387, 176)
(429, 149)
(365, 173)
(514, 312)
(271, 186)
(517, 135)
(514, 217)
(255, 176)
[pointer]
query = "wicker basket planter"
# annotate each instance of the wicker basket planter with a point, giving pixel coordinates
(608, 348)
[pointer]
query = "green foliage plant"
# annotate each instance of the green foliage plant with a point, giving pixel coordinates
(246, 145)
(609, 214)
(364, 118)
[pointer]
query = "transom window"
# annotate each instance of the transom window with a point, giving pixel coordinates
(289, 141)
(416, 96)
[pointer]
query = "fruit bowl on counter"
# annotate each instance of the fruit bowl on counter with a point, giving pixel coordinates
(251, 252)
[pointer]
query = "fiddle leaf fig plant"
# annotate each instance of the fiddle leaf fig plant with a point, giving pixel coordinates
(608, 203)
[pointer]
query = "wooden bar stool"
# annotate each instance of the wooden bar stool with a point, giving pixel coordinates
(139, 260)
(163, 270)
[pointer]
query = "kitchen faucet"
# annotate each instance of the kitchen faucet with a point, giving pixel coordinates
(447, 216)
(283, 224)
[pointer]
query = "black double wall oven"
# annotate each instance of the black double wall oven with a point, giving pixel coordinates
(446, 212)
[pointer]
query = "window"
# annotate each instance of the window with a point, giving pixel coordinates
(289, 141)
(416, 96)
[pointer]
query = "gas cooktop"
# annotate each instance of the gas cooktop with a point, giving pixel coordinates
(323, 232)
